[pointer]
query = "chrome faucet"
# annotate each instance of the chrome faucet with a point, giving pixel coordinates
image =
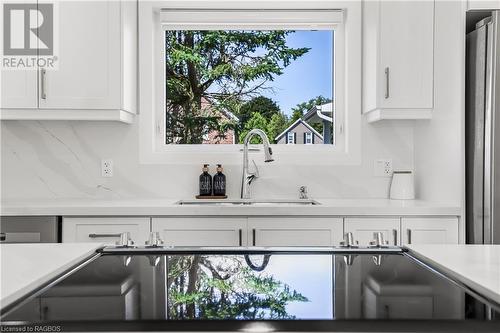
(247, 176)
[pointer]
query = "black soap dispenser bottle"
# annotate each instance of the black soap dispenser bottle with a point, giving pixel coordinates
(219, 182)
(205, 182)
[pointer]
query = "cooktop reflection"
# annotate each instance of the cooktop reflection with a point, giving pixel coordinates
(170, 290)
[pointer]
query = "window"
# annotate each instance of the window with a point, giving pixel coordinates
(308, 138)
(186, 35)
(290, 138)
(220, 84)
(224, 78)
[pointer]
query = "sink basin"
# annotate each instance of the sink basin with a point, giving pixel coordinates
(249, 202)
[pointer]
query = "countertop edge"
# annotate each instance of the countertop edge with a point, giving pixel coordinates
(450, 273)
(73, 263)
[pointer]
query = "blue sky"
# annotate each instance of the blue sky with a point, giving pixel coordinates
(308, 76)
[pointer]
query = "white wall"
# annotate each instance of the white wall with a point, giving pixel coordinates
(439, 143)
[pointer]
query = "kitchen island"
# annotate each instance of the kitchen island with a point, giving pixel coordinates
(476, 266)
(26, 267)
(261, 289)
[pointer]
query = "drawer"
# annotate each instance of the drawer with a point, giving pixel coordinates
(105, 230)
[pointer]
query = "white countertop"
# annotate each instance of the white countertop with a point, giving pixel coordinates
(158, 207)
(477, 266)
(25, 267)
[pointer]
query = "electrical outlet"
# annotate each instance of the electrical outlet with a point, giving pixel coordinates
(107, 168)
(382, 168)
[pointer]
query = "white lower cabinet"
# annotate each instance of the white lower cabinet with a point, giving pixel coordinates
(294, 231)
(439, 230)
(202, 231)
(104, 230)
(363, 229)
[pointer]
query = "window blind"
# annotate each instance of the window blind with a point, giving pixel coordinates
(251, 19)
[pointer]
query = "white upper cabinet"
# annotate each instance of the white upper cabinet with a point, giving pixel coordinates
(398, 39)
(96, 73)
(88, 76)
(19, 89)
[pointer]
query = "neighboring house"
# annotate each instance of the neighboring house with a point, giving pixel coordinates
(300, 133)
(213, 137)
(322, 114)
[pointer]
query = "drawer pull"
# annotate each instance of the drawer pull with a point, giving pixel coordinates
(104, 235)
(395, 235)
(240, 237)
(43, 83)
(253, 237)
(409, 236)
(387, 77)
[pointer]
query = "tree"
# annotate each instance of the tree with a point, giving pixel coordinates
(257, 121)
(261, 104)
(276, 125)
(218, 65)
(224, 287)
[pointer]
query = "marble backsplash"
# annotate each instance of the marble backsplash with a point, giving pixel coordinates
(62, 159)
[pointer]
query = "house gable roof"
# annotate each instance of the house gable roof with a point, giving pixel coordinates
(295, 124)
(319, 112)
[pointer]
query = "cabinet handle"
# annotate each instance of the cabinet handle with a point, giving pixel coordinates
(253, 237)
(395, 235)
(43, 93)
(104, 235)
(240, 236)
(387, 82)
(408, 232)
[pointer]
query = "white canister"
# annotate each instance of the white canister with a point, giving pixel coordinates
(402, 186)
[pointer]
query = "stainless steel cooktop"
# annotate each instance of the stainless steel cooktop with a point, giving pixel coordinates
(285, 289)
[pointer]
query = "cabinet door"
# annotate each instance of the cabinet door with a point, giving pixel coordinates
(18, 89)
(201, 231)
(429, 230)
(104, 230)
(88, 73)
(407, 51)
(294, 231)
(364, 228)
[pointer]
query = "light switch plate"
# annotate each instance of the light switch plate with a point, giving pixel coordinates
(107, 168)
(382, 168)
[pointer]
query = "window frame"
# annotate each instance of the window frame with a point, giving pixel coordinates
(347, 89)
(308, 135)
(290, 140)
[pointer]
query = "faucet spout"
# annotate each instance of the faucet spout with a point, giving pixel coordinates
(247, 176)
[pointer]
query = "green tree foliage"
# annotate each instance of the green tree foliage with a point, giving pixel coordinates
(224, 287)
(272, 127)
(261, 104)
(256, 121)
(277, 124)
(217, 66)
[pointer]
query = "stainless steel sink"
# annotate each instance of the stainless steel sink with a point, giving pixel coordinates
(249, 202)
